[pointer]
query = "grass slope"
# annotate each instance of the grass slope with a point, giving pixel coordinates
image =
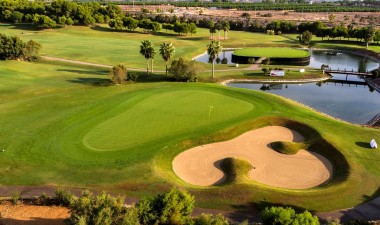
(272, 52)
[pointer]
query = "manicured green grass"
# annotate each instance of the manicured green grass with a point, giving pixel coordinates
(59, 127)
(105, 46)
(286, 147)
(272, 52)
(56, 128)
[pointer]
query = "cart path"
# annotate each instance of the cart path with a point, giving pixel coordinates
(366, 211)
(49, 58)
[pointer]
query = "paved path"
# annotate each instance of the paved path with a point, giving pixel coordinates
(367, 211)
(252, 67)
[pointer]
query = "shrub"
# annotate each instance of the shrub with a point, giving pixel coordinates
(251, 60)
(209, 219)
(16, 197)
(183, 70)
(280, 215)
(64, 198)
(224, 61)
(132, 76)
(264, 70)
(173, 207)
(43, 199)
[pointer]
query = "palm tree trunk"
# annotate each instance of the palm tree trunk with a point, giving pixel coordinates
(166, 68)
(224, 35)
(147, 66)
(152, 65)
(212, 69)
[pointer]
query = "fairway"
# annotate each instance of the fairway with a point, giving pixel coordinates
(272, 52)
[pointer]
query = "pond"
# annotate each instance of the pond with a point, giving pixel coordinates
(351, 100)
(335, 59)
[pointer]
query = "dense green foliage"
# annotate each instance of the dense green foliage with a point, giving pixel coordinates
(287, 216)
(102, 209)
(173, 207)
(305, 37)
(288, 148)
(12, 47)
(46, 15)
(272, 52)
(183, 70)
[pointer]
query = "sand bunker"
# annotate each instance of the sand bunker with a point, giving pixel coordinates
(201, 165)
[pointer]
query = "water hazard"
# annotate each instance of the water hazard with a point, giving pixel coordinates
(352, 101)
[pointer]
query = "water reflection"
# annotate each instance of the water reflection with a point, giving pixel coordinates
(352, 102)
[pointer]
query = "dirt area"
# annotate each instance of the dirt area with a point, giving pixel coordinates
(346, 17)
(201, 165)
(32, 215)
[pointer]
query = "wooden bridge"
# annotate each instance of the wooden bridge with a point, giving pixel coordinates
(348, 72)
(349, 82)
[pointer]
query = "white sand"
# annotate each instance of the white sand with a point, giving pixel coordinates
(201, 165)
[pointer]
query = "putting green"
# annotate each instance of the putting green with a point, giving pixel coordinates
(272, 52)
(162, 115)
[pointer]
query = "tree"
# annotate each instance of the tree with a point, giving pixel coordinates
(183, 70)
(376, 38)
(167, 51)
(116, 24)
(147, 50)
(130, 23)
(369, 34)
(226, 27)
(32, 49)
(305, 37)
(11, 47)
(212, 31)
(118, 74)
(173, 207)
(213, 50)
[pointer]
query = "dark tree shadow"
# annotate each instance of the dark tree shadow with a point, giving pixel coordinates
(32, 221)
(363, 144)
(91, 81)
(90, 72)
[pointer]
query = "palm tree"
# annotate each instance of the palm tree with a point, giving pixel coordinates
(147, 50)
(225, 27)
(218, 27)
(167, 51)
(213, 50)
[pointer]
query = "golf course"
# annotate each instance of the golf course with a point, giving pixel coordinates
(61, 125)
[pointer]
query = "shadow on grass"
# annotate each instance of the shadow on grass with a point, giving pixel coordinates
(90, 72)
(22, 27)
(91, 81)
(363, 144)
(104, 29)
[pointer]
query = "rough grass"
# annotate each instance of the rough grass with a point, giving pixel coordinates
(272, 52)
(236, 170)
(287, 147)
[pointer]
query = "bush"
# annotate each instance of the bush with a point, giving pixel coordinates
(264, 70)
(173, 207)
(43, 199)
(102, 209)
(132, 76)
(209, 219)
(280, 215)
(183, 70)
(64, 198)
(16, 197)
(224, 61)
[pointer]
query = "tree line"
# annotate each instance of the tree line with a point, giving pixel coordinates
(129, 23)
(59, 12)
(13, 48)
(297, 6)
